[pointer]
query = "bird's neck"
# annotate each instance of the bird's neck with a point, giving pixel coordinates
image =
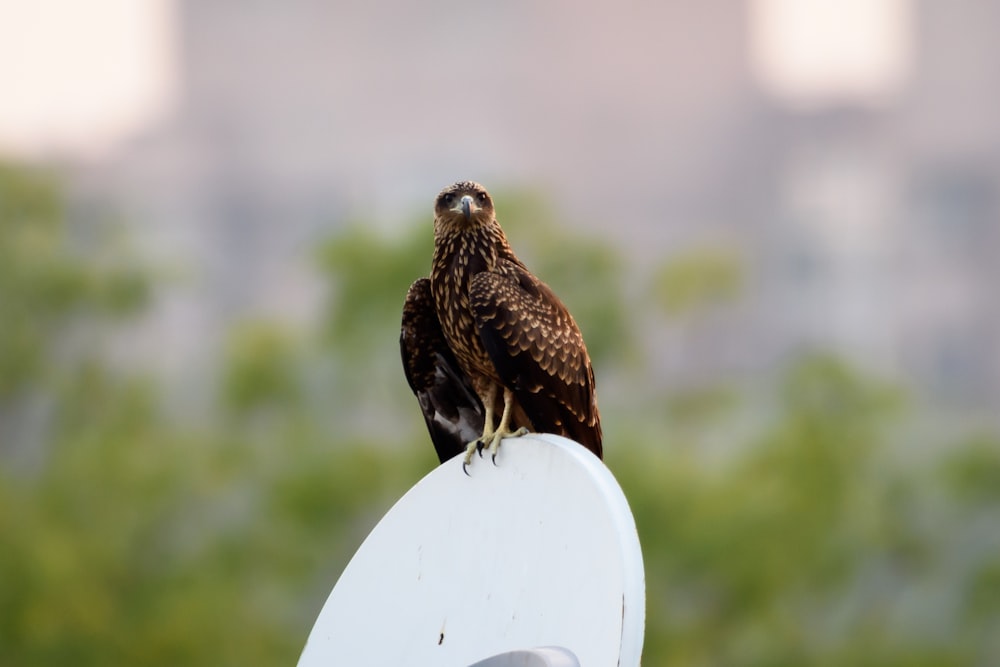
(469, 250)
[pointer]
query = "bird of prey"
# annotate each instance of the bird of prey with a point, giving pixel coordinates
(484, 337)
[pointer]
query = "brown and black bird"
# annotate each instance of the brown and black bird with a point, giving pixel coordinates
(484, 337)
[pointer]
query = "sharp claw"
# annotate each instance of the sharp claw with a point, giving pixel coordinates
(475, 445)
(480, 445)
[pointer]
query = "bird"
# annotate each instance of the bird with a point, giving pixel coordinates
(482, 337)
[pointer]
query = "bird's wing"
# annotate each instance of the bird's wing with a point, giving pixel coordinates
(538, 352)
(453, 412)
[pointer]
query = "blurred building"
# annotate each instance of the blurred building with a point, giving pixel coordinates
(871, 230)
(884, 237)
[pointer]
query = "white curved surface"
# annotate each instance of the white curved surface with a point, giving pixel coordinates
(539, 550)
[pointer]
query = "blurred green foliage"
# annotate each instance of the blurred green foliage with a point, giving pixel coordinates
(132, 536)
(260, 367)
(698, 277)
(42, 284)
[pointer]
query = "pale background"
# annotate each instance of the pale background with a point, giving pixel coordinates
(849, 150)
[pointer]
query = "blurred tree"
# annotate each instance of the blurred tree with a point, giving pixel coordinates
(43, 283)
(698, 278)
(130, 536)
(259, 368)
(972, 471)
(133, 538)
(798, 552)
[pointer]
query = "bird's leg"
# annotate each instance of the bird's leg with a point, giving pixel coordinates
(503, 429)
(487, 436)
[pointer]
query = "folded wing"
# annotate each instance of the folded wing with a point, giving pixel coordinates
(451, 409)
(538, 352)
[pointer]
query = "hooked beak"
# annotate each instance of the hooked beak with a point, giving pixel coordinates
(467, 207)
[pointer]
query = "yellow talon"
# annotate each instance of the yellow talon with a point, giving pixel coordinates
(491, 436)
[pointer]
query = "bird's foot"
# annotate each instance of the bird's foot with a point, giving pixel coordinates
(477, 445)
(500, 435)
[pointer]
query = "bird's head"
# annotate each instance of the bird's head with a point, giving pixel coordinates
(464, 204)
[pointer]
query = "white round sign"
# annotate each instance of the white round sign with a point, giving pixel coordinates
(537, 550)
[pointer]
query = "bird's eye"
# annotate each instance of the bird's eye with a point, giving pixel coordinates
(448, 198)
(481, 197)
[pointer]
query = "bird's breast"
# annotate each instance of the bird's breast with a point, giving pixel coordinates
(457, 259)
